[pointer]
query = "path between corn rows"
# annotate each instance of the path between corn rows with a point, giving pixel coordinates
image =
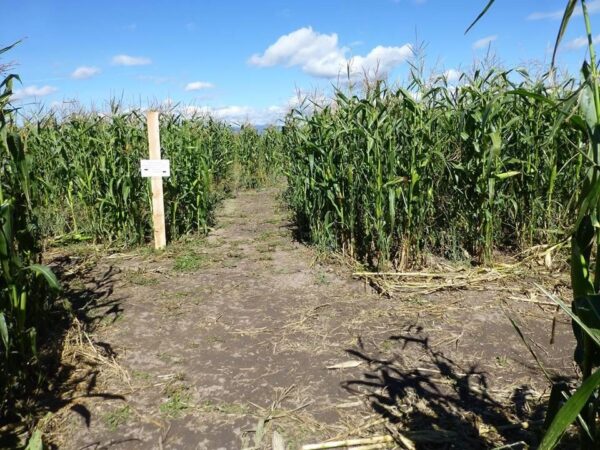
(228, 337)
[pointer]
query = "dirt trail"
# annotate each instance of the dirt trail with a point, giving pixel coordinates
(227, 339)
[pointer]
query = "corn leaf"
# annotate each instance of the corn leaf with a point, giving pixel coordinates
(592, 333)
(569, 8)
(481, 14)
(4, 333)
(569, 411)
(47, 273)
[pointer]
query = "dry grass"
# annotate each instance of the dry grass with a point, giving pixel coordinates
(440, 277)
(94, 369)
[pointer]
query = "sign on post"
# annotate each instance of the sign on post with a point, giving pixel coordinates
(155, 168)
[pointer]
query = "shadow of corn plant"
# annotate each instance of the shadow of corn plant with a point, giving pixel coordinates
(69, 362)
(444, 405)
(581, 405)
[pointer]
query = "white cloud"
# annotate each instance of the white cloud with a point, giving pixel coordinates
(552, 15)
(452, 75)
(198, 85)
(320, 55)
(580, 42)
(126, 60)
(33, 91)
(274, 114)
(234, 113)
(308, 101)
(382, 59)
(84, 72)
(576, 43)
(593, 6)
(237, 114)
(484, 42)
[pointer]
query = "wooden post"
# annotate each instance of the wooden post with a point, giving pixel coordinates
(158, 207)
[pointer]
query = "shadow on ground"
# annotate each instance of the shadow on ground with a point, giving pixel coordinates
(84, 303)
(439, 404)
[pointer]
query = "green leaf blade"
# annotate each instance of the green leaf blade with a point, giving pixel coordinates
(569, 412)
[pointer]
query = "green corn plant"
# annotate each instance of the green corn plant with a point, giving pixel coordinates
(582, 406)
(75, 176)
(258, 156)
(88, 164)
(389, 175)
(25, 284)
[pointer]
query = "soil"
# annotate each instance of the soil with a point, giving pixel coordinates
(228, 341)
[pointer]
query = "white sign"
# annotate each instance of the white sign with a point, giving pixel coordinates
(155, 168)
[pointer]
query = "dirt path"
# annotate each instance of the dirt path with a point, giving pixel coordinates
(224, 341)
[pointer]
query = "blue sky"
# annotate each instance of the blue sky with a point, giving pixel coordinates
(247, 59)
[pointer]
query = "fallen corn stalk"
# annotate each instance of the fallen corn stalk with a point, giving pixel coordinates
(356, 443)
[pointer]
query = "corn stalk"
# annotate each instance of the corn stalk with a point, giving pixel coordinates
(388, 176)
(25, 284)
(583, 405)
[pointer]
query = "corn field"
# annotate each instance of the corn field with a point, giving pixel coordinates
(385, 175)
(26, 287)
(459, 171)
(77, 178)
(88, 164)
